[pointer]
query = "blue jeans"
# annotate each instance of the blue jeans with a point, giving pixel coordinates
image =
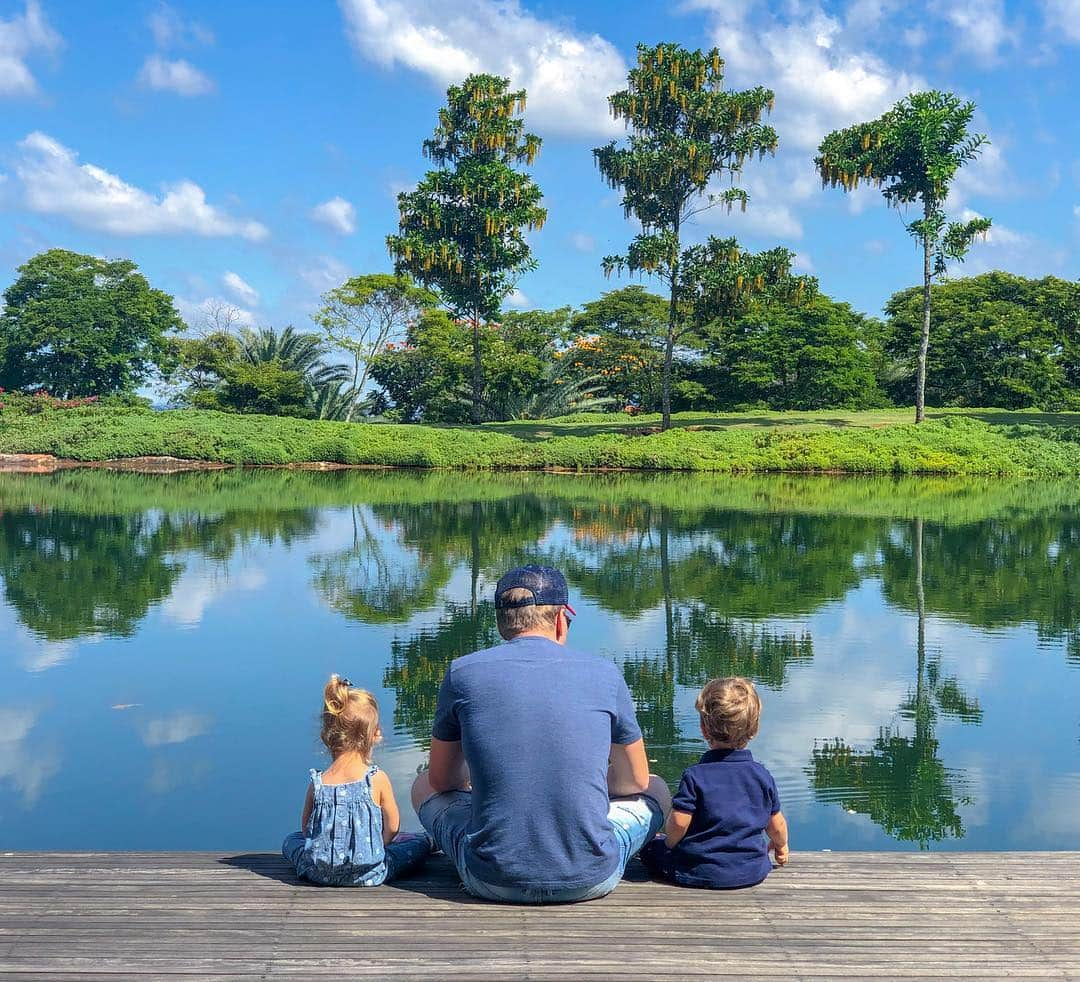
(402, 855)
(446, 817)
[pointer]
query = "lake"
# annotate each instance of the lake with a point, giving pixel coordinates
(164, 640)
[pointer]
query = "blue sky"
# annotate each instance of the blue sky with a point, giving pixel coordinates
(249, 153)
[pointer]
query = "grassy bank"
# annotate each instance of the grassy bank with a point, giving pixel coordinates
(983, 442)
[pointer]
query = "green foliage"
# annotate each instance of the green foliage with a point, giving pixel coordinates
(266, 387)
(462, 230)
(999, 340)
(279, 373)
(686, 129)
(953, 445)
(810, 356)
(621, 337)
(360, 318)
(913, 153)
(76, 325)
(428, 377)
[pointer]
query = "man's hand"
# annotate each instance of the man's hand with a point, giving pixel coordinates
(780, 853)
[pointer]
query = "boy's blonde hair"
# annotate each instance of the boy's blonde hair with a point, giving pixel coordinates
(350, 718)
(730, 712)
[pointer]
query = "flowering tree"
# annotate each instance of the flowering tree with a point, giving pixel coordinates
(462, 230)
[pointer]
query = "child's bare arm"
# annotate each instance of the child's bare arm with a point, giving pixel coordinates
(777, 832)
(677, 824)
(309, 804)
(384, 798)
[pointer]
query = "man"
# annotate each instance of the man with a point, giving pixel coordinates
(561, 797)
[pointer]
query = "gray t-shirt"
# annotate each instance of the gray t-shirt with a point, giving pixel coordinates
(536, 721)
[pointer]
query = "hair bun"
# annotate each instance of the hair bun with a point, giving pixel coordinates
(336, 695)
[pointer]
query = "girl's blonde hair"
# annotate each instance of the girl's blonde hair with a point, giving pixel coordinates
(350, 718)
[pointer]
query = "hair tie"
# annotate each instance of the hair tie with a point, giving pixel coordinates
(345, 682)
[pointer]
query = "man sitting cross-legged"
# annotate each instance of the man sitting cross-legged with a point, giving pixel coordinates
(561, 796)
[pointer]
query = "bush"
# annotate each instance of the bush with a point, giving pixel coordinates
(953, 445)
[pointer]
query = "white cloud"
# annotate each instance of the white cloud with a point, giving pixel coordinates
(55, 183)
(1063, 18)
(336, 214)
(23, 761)
(980, 27)
(518, 300)
(583, 242)
(21, 36)
(178, 728)
(197, 590)
(568, 75)
(323, 273)
(822, 76)
(802, 263)
(179, 76)
(1006, 248)
(213, 313)
(169, 28)
(242, 291)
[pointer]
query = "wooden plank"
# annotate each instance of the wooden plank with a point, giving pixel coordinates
(837, 915)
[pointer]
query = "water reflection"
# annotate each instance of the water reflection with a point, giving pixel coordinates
(901, 782)
(682, 579)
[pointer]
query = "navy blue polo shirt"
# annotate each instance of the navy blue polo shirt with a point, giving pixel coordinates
(732, 797)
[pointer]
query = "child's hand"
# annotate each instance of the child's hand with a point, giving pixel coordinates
(780, 854)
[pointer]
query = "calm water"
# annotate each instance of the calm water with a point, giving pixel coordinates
(164, 640)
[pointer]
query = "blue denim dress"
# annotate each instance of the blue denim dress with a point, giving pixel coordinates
(343, 844)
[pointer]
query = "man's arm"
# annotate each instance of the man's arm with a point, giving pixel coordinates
(447, 769)
(628, 772)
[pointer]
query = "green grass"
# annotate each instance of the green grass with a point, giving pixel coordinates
(978, 442)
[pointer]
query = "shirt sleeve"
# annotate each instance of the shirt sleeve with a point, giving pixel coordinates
(772, 795)
(685, 799)
(624, 724)
(446, 725)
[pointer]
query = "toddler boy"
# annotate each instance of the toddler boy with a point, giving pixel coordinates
(724, 802)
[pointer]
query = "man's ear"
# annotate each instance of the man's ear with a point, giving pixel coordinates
(562, 627)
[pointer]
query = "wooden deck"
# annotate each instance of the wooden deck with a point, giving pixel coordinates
(828, 915)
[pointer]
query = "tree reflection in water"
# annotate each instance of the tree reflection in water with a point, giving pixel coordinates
(900, 782)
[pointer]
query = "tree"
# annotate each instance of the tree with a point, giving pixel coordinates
(807, 356)
(686, 129)
(913, 153)
(363, 314)
(461, 232)
(622, 335)
(76, 325)
(277, 373)
(428, 377)
(999, 340)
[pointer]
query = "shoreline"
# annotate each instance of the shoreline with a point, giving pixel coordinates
(46, 464)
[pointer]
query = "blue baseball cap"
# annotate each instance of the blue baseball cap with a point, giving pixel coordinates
(547, 586)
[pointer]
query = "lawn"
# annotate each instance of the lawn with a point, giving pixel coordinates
(983, 441)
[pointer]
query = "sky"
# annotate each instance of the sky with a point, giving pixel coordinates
(249, 153)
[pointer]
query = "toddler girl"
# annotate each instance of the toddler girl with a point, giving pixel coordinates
(350, 818)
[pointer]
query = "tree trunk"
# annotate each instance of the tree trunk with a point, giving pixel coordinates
(924, 341)
(356, 393)
(669, 346)
(477, 371)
